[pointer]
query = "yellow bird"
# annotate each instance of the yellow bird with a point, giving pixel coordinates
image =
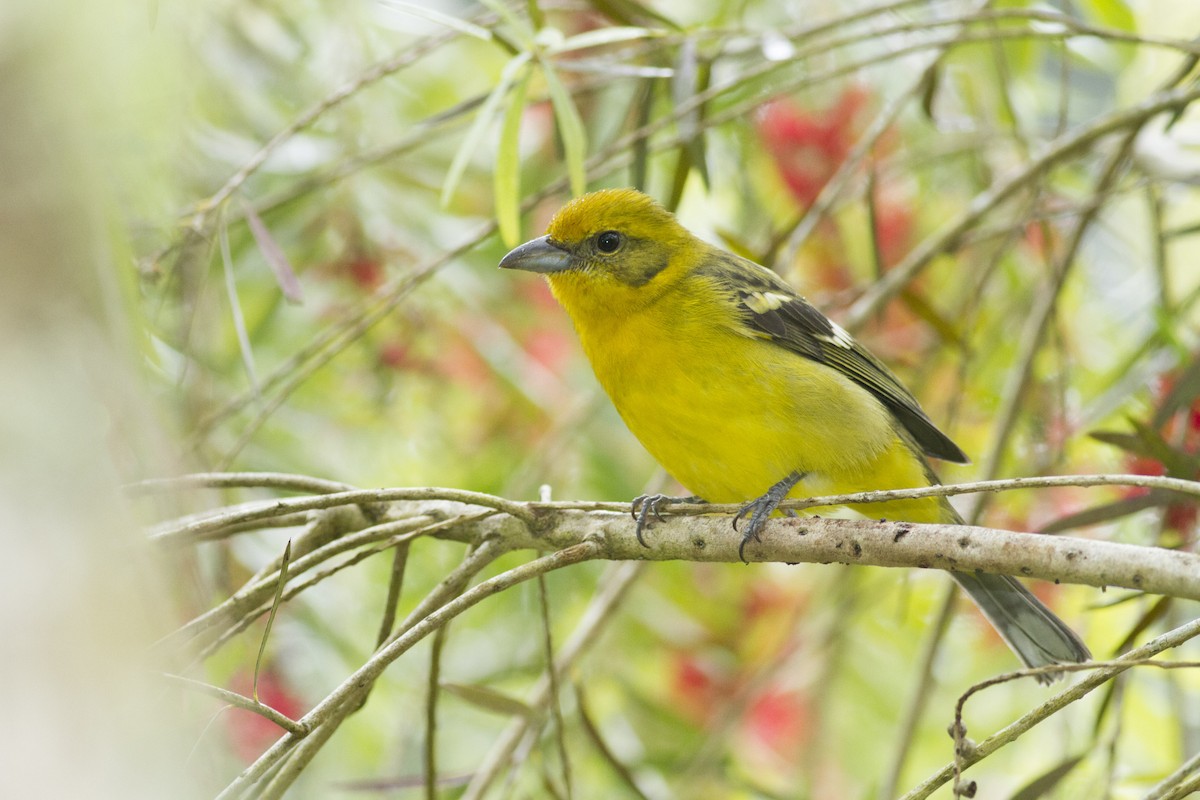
(744, 392)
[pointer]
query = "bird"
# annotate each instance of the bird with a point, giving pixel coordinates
(745, 393)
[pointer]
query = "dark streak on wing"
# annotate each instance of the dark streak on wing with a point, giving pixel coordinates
(795, 325)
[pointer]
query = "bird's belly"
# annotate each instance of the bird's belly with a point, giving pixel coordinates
(728, 431)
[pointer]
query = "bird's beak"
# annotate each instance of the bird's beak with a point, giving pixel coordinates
(539, 255)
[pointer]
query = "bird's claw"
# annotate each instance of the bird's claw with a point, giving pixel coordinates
(646, 504)
(760, 511)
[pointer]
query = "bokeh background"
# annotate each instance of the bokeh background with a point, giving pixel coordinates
(262, 236)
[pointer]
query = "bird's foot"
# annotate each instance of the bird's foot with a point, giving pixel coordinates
(761, 509)
(645, 505)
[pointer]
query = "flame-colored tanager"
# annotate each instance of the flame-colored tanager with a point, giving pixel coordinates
(742, 390)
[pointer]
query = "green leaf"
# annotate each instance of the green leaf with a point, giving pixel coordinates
(631, 11)
(451, 22)
(1045, 783)
(1110, 14)
(1151, 616)
(691, 77)
(570, 127)
(262, 646)
(1149, 443)
(1178, 463)
(490, 700)
(603, 36)
(641, 147)
(507, 177)
(523, 30)
(272, 253)
(944, 326)
(931, 82)
(483, 118)
(535, 13)
(1106, 512)
(1184, 392)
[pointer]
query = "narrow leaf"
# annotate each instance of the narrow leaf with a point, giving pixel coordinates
(1111, 14)
(1178, 463)
(433, 15)
(1125, 441)
(1107, 512)
(1149, 443)
(507, 177)
(235, 308)
(570, 127)
(631, 11)
(519, 26)
(536, 17)
(603, 36)
(1045, 783)
(945, 327)
(1154, 614)
(641, 147)
(483, 118)
(285, 276)
(1183, 393)
(691, 77)
(929, 85)
(262, 646)
(490, 700)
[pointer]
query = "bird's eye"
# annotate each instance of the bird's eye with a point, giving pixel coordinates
(608, 242)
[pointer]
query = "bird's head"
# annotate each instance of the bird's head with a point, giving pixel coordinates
(614, 246)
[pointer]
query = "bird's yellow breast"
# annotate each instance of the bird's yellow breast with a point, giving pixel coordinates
(729, 414)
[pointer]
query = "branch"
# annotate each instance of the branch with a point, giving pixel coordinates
(240, 701)
(544, 526)
(965, 548)
(613, 589)
(332, 711)
(1060, 701)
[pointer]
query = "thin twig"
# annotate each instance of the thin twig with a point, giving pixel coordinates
(962, 748)
(239, 480)
(560, 729)
(1054, 152)
(395, 584)
(259, 589)
(330, 712)
(1184, 790)
(613, 589)
(597, 739)
(1174, 782)
(262, 646)
(339, 335)
(241, 701)
(201, 529)
(432, 693)
(917, 703)
(1098, 677)
(248, 619)
(291, 762)
(1045, 303)
(833, 188)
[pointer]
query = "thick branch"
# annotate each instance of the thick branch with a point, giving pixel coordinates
(883, 544)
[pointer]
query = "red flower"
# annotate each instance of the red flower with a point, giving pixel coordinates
(809, 146)
(251, 734)
(779, 720)
(696, 687)
(365, 272)
(1180, 517)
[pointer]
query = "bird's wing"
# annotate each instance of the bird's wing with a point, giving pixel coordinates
(771, 309)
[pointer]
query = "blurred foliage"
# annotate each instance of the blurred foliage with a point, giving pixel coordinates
(315, 210)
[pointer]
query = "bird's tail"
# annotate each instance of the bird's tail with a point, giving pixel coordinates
(1035, 634)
